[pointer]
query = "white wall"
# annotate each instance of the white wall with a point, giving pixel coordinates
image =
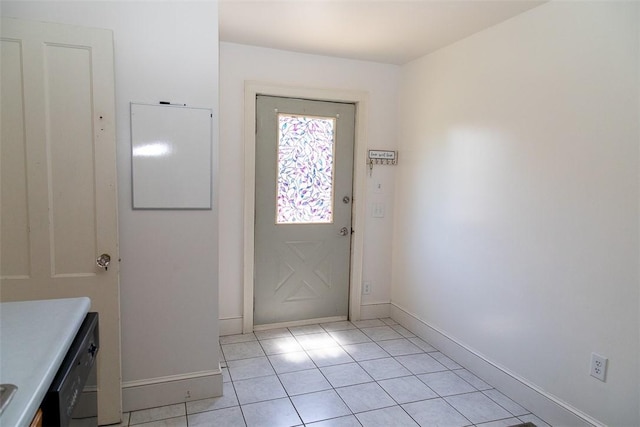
(168, 278)
(239, 63)
(516, 215)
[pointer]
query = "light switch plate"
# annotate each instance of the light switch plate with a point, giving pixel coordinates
(378, 210)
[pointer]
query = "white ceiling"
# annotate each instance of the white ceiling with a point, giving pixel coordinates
(388, 31)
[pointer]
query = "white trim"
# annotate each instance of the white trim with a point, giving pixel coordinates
(545, 405)
(172, 389)
(230, 326)
(361, 99)
(375, 310)
(299, 323)
(169, 378)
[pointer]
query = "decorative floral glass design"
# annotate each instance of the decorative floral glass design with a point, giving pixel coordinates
(305, 169)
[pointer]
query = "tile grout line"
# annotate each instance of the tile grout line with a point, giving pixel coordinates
(244, 419)
(317, 367)
(357, 362)
(323, 374)
(341, 346)
(377, 381)
(280, 380)
(306, 351)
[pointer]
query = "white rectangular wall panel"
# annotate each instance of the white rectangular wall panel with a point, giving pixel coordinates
(171, 157)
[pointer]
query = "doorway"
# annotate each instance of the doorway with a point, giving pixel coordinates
(360, 101)
(304, 188)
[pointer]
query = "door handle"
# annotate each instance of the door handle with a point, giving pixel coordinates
(103, 261)
(344, 231)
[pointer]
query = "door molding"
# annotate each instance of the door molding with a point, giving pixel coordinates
(361, 101)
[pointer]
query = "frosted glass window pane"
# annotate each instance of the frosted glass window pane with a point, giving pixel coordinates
(305, 169)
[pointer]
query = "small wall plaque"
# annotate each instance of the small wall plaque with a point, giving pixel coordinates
(382, 157)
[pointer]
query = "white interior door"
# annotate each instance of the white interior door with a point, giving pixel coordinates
(304, 174)
(58, 209)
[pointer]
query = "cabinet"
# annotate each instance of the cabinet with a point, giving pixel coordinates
(37, 420)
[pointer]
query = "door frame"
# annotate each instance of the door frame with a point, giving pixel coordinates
(361, 101)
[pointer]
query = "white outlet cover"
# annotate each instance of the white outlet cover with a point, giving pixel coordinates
(366, 287)
(378, 210)
(598, 367)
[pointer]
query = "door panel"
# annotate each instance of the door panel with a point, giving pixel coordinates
(14, 245)
(304, 168)
(73, 204)
(58, 188)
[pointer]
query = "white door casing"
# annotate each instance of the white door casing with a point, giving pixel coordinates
(303, 209)
(360, 99)
(58, 209)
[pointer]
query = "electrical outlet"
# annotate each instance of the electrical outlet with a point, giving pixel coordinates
(366, 287)
(598, 366)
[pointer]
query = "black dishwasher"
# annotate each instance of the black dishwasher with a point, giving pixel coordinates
(66, 388)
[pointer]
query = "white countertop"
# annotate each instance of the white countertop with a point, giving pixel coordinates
(34, 338)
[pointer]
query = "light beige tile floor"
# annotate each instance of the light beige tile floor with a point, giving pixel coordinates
(366, 373)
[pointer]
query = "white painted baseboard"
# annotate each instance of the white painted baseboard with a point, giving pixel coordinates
(230, 326)
(375, 311)
(233, 325)
(169, 390)
(546, 406)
